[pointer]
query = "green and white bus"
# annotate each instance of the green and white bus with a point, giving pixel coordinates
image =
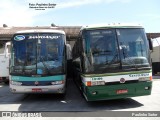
(38, 61)
(112, 62)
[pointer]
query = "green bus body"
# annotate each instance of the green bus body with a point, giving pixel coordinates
(109, 92)
(122, 72)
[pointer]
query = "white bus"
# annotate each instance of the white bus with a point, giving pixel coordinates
(4, 62)
(38, 61)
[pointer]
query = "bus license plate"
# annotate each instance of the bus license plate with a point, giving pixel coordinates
(36, 90)
(122, 91)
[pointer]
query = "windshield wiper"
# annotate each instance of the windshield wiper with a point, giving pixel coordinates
(125, 55)
(45, 65)
(23, 67)
(102, 52)
(112, 61)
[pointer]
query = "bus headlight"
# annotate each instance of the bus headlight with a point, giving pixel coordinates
(16, 83)
(57, 82)
(94, 83)
(144, 78)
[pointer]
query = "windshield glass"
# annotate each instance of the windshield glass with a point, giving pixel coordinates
(133, 48)
(110, 50)
(101, 49)
(38, 54)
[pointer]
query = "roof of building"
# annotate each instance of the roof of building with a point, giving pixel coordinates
(71, 31)
(42, 31)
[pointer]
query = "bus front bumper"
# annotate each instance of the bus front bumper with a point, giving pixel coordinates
(108, 92)
(38, 89)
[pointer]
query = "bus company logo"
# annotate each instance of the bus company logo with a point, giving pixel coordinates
(19, 37)
(36, 83)
(139, 75)
(43, 37)
(122, 80)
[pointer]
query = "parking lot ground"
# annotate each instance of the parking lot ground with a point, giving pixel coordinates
(74, 101)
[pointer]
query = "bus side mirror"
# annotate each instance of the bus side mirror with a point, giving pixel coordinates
(7, 49)
(150, 44)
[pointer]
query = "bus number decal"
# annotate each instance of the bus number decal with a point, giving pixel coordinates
(96, 78)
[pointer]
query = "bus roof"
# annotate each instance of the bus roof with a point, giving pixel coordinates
(113, 25)
(42, 31)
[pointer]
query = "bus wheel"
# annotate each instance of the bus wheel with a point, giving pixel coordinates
(63, 95)
(6, 82)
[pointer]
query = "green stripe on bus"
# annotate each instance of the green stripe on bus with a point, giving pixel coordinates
(119, 73)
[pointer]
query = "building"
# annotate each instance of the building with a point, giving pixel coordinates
(7, 32)
(72, 34)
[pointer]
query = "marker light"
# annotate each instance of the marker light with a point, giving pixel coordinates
(150, 78)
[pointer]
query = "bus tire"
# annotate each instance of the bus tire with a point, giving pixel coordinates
(6, 82)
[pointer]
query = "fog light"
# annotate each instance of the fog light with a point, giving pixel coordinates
(94, 93)
(60, 90)
(146, 88)
(13, 90)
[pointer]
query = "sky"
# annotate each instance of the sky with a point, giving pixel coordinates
(81, 13)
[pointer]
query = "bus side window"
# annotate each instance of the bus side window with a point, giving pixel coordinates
(77, 52)
(68, 48)
(76, 49)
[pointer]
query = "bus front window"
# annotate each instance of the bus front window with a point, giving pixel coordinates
(38, 54)
(111, 50)
(133, 48)
(50, 56)
(103, 51)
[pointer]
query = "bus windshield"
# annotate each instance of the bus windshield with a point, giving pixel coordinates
(109, 50)
(38, 54)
